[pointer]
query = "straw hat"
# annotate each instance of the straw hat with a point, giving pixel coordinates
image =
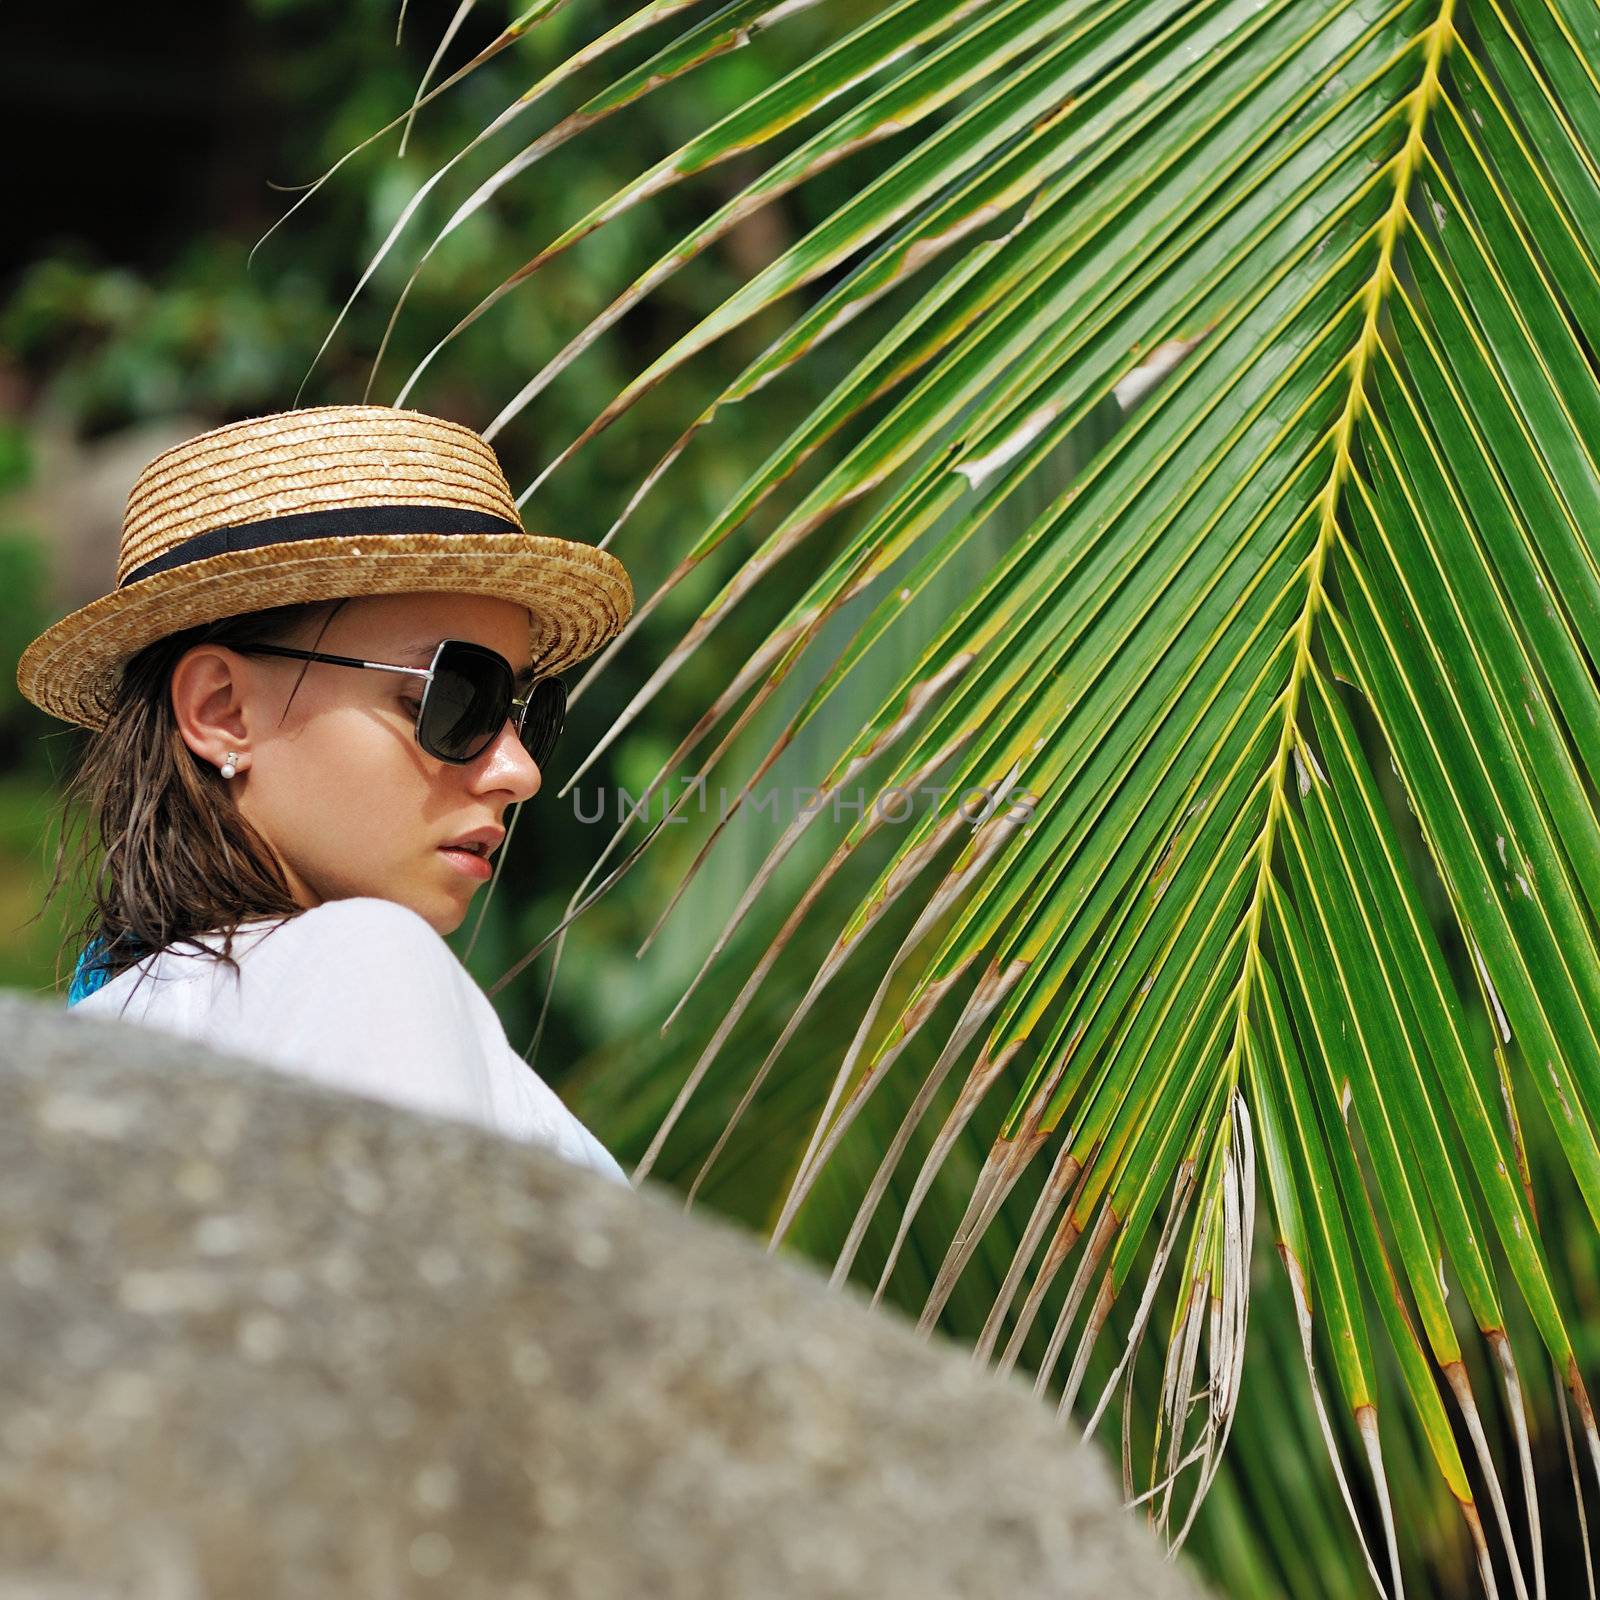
(319, 504)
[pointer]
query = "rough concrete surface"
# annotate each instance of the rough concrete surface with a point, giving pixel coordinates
(266, 1341)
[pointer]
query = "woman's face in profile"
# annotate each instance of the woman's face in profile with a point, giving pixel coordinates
(337, 782)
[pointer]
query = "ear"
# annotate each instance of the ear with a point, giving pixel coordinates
(211, 702)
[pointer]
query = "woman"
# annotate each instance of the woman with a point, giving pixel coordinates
(326, 671)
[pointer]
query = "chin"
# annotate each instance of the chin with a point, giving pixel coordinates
(442, 914)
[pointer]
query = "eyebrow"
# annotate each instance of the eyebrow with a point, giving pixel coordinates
(422, 650)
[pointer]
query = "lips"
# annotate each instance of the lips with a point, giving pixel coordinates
(481, 841)
(466, 861)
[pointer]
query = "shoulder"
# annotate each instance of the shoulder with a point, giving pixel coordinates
(365, 973)
(365, 913)
(364, 933)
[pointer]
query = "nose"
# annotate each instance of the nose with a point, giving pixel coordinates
(506, 764)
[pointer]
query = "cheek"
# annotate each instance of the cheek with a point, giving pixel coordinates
(344, 792)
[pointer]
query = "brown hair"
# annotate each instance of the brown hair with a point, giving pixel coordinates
(161, 850)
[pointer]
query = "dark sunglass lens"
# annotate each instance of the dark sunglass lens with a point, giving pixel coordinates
(542, 720)
(466, 705)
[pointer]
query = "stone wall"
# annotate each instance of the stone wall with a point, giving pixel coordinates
(264, 1341)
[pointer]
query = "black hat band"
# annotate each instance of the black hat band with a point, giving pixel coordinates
(341, 522)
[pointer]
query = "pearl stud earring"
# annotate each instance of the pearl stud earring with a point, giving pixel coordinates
(230, 766)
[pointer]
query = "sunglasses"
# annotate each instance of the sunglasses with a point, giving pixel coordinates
(469, 694)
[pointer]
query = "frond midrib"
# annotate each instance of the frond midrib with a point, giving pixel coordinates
(1435, 41)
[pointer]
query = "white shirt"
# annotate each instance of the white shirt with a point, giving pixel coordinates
(362, 995)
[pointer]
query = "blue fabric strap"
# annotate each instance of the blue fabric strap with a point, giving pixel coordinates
(86, 978)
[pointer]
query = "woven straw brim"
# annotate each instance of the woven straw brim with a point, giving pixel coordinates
(579, 598)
